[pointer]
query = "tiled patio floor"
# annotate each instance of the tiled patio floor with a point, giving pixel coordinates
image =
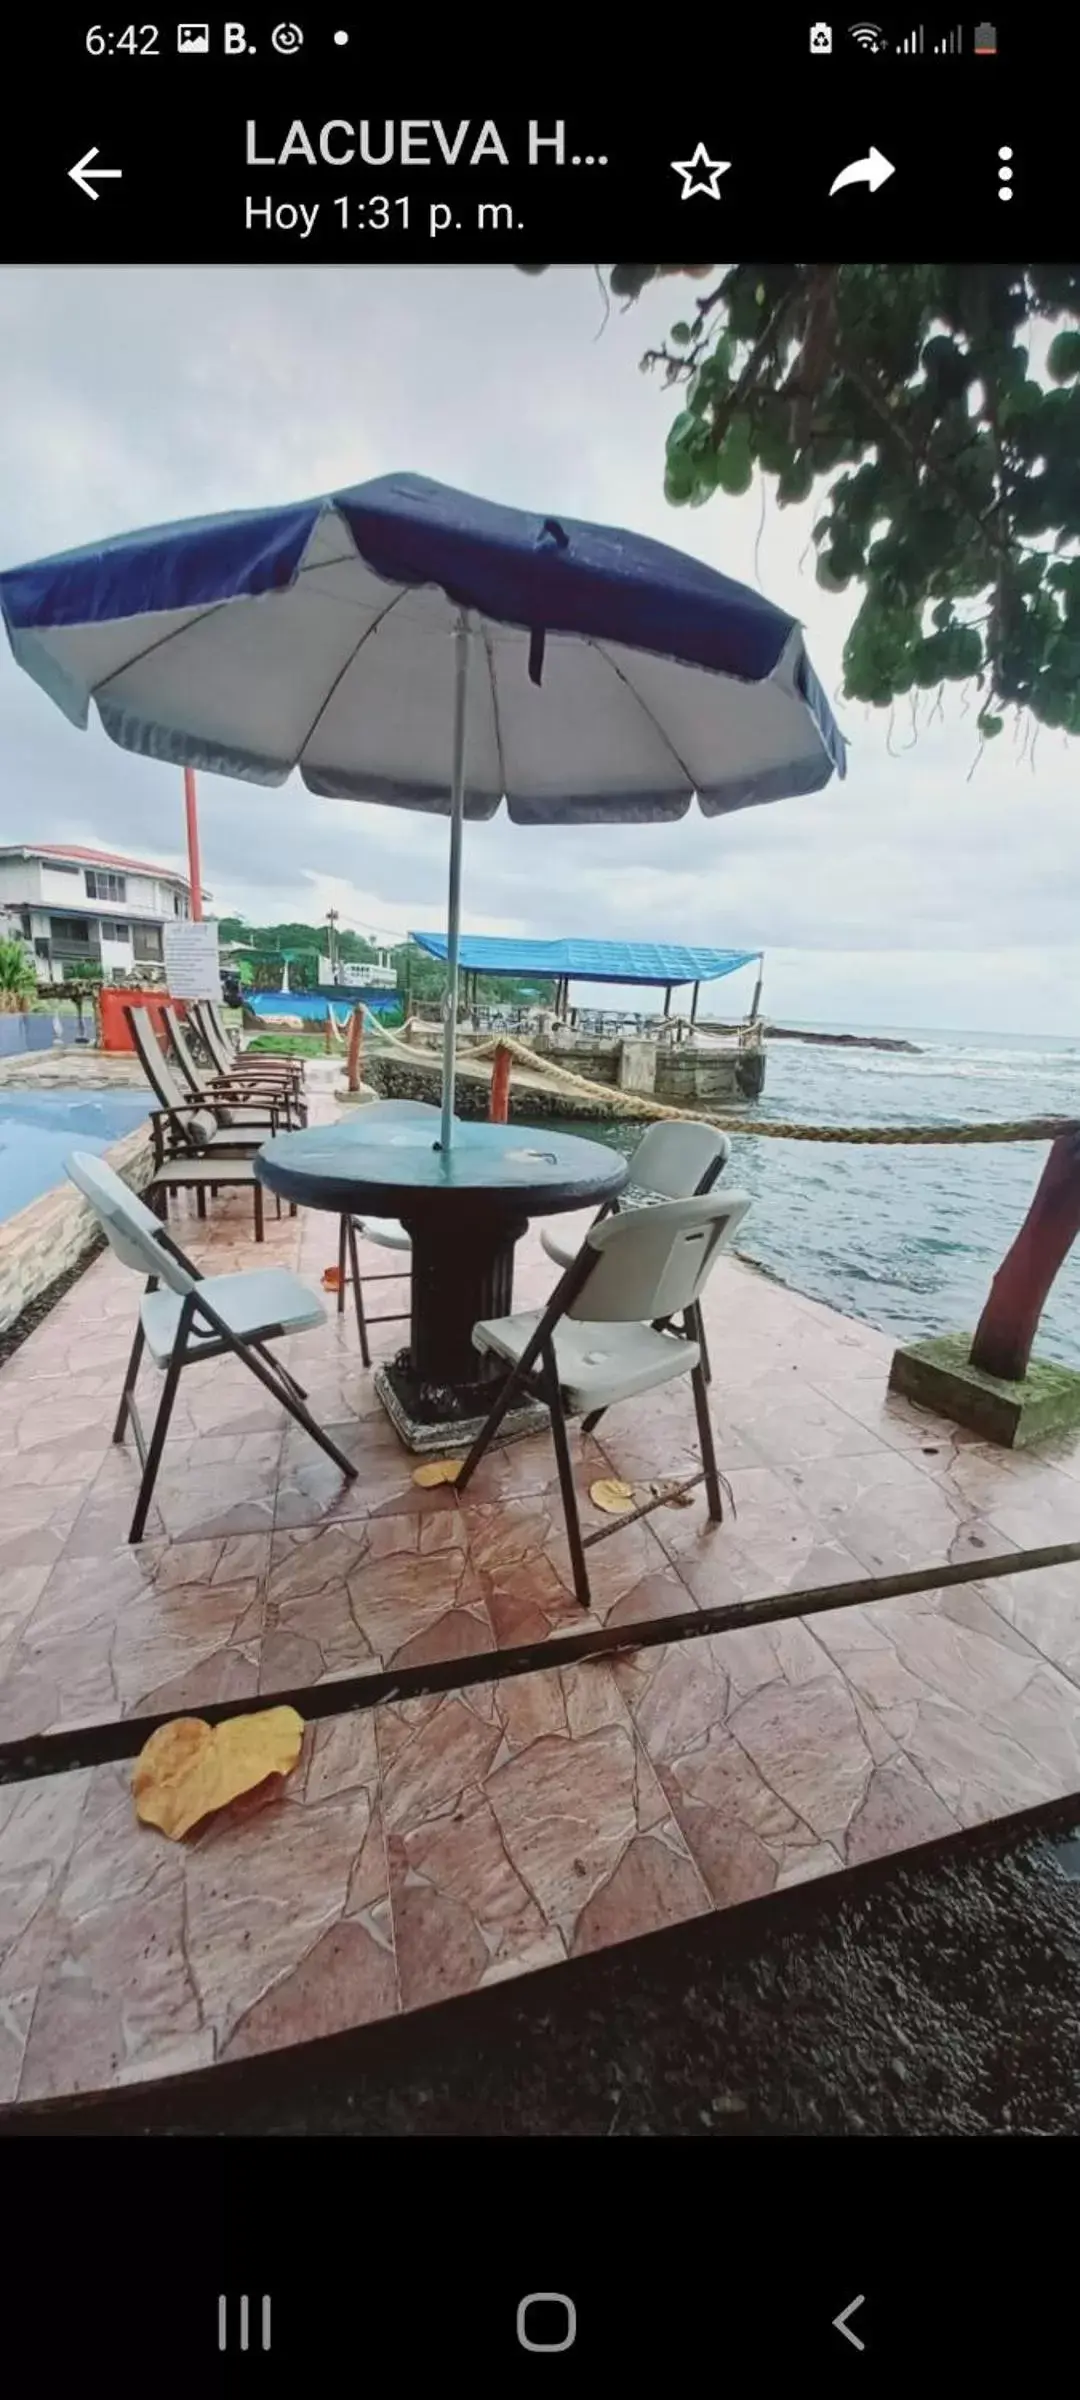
(430, 1845)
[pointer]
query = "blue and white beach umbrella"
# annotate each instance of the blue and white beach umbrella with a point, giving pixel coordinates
(404, 643)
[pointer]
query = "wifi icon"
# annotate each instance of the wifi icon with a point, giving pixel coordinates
(868, 37)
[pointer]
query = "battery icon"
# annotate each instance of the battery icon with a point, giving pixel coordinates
(985, 41)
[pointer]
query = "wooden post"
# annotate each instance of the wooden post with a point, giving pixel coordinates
(1010, 1320)
(667, 1000)
(499, 1101)
(356, 1044)
(694, 1002)
(328, 1033)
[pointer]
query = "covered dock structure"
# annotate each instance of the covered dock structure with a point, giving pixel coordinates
(666, 966)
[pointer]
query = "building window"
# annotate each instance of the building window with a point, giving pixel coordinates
(116, 932)
(146, 942)
(105, 887)
(180, 906)
(70, 929)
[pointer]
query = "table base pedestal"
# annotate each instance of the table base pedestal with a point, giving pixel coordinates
(442, 1423)
(440, 1390)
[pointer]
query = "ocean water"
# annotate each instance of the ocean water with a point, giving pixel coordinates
(906, 1238)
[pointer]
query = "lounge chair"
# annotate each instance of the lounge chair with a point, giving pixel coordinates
(672, 1161)
(228, 1059)
(195, 1317)
(208, 1088)
(386, 1231)
(249, 1127)
(176, 1173)
(608, 1334)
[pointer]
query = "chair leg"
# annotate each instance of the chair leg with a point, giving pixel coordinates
(200, 1200)
(155, 1447)
(703, 1346)
(342, 1254)
(705, 1432)
(490, 1427)
(258, 1191)
(557, 1414)
(358, 1293)
(131, 1377)
(590, 1423)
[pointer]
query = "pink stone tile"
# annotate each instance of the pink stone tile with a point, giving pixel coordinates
(35, 1521)
(521, 1835)
(522, 1562)
(38, 1826)
(788, 1422)
(770, 1540)
(1044, 1607)
(891, 1515)
(989, 1724)
(764, 1754)
(346, 1598)
(312, 1491)
(144, 1630)
(267, 1928)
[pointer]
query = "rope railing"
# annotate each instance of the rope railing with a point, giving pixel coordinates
(638, 1105)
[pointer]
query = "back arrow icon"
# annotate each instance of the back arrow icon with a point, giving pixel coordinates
(85, 174)
(874, 170)
(842, 2326)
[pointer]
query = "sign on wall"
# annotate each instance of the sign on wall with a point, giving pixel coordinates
(192, 961)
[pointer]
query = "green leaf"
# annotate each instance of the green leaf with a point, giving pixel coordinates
(681, 333)
(989, 724)
(734, 459)
(1063, 356)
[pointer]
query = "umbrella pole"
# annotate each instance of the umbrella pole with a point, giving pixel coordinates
(453, 909)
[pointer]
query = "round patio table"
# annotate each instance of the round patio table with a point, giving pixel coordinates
(464, 1210)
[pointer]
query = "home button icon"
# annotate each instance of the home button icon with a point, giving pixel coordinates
(546, 2321)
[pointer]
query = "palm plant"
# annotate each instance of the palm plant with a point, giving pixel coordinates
(18, 982)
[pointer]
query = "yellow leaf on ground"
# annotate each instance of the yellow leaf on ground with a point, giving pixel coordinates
(188, 1769)
(612, 1495)
(437, 1470)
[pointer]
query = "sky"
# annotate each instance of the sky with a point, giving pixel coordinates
(933, 888)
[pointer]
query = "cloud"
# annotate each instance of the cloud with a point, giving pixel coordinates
(130, 396)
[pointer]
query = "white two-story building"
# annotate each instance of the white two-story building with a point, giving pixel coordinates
(79, 909)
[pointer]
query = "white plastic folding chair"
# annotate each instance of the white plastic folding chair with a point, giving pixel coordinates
(672, 1161)
(386, 1231)
(608, 1333)
(193, 1318)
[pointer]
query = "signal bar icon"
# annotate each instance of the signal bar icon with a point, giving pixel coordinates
(913, 43)
(950, 43)
(244, 2327)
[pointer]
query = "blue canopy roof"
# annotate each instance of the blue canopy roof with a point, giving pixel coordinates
(588, 962)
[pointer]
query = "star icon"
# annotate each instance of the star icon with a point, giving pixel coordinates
(700, 173)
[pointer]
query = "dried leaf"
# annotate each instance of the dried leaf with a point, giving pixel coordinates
(188, 1769)
(612, 1495)
(331, 1279)
(669, 1494)
(437, 1470)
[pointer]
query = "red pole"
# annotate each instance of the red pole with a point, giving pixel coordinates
(194, 870)
(356, 1042)
(499, 1103)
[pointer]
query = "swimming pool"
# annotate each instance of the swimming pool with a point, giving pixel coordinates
(37, 1130)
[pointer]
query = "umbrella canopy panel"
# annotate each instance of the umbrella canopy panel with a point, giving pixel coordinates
(610, 678)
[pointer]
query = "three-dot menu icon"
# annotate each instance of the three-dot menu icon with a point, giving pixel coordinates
(1005, 174)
